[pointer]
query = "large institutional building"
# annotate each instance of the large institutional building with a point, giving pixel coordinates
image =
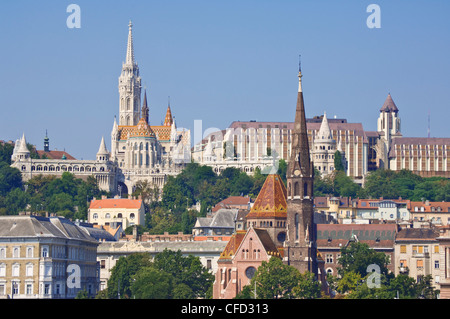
(139, 151)
(250, 145)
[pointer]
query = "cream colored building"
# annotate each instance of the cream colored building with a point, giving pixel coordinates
(46, 258)
(113, 211)
(417, 254)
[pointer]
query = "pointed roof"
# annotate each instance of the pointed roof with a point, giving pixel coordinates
(102, 149)
(145, 107)
(168, 121)
(389, 105)
(271, 200)
(130, 50)
(142, 129)
(23, 145)
(300, 158)
(324, 131)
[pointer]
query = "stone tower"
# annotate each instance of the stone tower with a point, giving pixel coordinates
(324, 148)
(299, 248)
(129, 87)
(388, 126)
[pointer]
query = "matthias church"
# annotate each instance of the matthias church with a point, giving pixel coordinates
(139, 151)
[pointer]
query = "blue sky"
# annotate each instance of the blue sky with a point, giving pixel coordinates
(220, 61)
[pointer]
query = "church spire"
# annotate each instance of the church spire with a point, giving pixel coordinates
(145, 110)
(130, 50)
(300, 160)
(168, 121)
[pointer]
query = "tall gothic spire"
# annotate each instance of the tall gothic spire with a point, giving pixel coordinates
(300, 160)
(145, 110)
(130, 50)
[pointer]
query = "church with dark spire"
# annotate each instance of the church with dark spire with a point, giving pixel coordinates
(299, 247)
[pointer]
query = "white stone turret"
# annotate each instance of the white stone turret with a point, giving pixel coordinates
(21, 151)
(130, 87)
(102, 154)
(324, 148)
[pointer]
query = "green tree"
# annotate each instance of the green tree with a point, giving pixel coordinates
(275, 280)
(151, 283)
(308, 287)
(338, 165)
(10, 178)
(186, 271)
(357, 256)
(122, 274)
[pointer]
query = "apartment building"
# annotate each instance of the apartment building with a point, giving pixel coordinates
(46, 258)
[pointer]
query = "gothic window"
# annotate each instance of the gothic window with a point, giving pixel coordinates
(305, 189)
(296, 189)
(296, 226)
(128, 107)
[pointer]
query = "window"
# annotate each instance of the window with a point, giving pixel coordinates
(16, 270)
(403, 263)
(419, 264)
(436, 249)
(29, 270)
(403, 249)
(436, 264)
(44, 251)
(2, 270)
(329, 258)
(29, 252)
(29, 289)
(16, 252)
(46, 289)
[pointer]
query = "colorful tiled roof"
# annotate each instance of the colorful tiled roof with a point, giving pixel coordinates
(233, 245)
(168, 121)
(271, 200)
(142, 129)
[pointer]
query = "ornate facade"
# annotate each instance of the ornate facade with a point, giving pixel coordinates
(139, 151)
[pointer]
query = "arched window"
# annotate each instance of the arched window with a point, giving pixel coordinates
(296, 189)
(296, 226)
(305, 189)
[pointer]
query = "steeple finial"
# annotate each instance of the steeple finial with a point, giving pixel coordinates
(299, 74)
(130, 50)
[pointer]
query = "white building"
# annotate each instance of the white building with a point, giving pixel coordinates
(139, 151)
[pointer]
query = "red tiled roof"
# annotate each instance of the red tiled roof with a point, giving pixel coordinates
(55, 154)
(231, 201)
(116, 203)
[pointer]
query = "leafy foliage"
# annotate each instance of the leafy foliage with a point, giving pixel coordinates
(168, 276)
(276, 280)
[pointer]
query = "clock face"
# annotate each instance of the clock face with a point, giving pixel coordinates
(296, 172)
(250, 272)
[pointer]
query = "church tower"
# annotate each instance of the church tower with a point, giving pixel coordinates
(299, 248)
(129, 87)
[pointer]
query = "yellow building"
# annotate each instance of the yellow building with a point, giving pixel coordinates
(113, 211)
(46, 258)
